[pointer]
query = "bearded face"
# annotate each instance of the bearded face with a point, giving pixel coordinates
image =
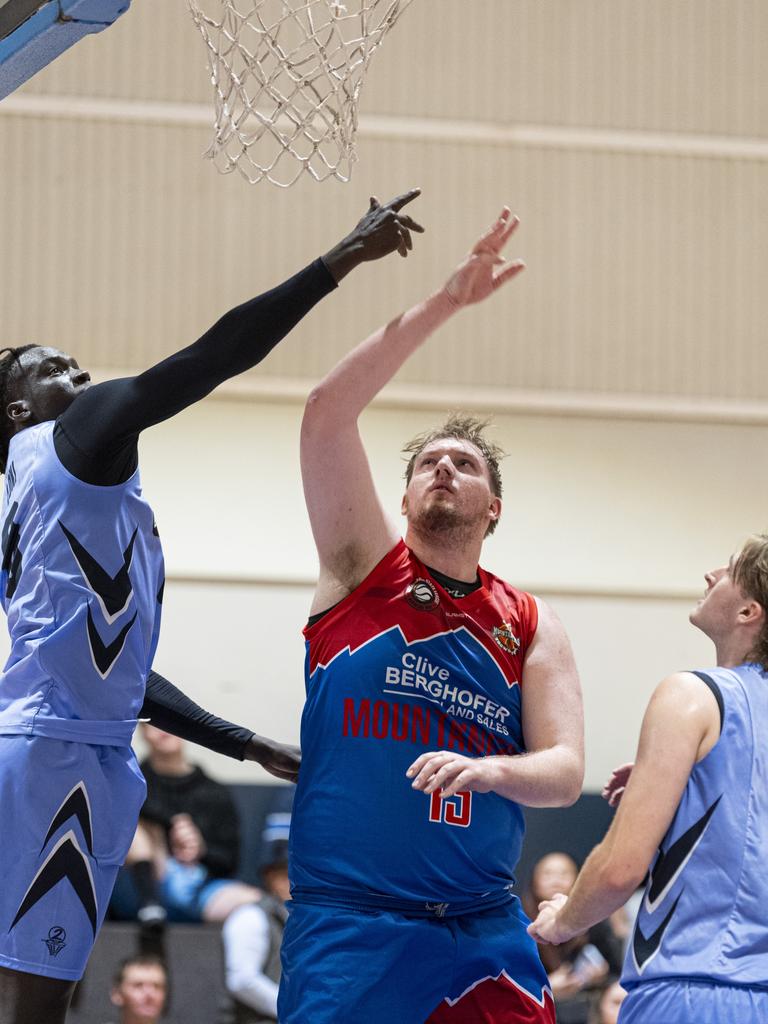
(450, 492)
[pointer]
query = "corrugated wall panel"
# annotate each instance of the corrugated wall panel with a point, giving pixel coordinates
(658, 65)
(646, 272)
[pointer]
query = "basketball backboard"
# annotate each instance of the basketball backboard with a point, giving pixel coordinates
(35, 32)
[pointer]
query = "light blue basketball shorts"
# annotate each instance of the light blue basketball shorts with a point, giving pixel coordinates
(69, 813)
(689, 1001)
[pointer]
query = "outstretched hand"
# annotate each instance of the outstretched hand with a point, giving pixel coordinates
(479, 275)
(381, 230)
(280, 759)
(614, 788)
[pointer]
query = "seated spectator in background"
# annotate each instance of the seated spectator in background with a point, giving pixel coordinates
(184, 856)
(140, 989)
(608, 1001)
(577, 966)
(252, 938)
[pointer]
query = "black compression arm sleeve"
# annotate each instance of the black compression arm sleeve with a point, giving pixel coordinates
(99, 430)
(171, 710)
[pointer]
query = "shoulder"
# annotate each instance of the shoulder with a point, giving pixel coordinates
(512, 601)
(683, 690)
(683, 713)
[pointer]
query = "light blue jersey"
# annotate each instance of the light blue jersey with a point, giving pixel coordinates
(82, 578)
(704, 915)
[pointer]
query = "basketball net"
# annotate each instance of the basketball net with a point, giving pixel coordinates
(287, 76)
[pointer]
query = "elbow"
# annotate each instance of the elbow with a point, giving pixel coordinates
(571, 795)
(621, 871)
(572, 781)
(622, 875)
(319, 410)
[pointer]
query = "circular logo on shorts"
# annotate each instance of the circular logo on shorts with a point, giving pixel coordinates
(56, 940)
(422, 594)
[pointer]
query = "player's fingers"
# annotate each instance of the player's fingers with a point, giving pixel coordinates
(508, 273)
(428, 768)
(400, 201)
(462, 781)
(287, 775)
(615, 798)
(490, 238)
(441, 776)
(508, 229)
(410, 223)
(419, 763)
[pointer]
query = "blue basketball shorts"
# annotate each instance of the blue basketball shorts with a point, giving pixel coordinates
(344, 966)
(683, 1001)
(69, 813)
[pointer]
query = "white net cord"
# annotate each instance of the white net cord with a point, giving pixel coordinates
(287, 76)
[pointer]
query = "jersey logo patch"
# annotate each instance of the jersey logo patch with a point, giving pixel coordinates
(505, 638)
(422, 594)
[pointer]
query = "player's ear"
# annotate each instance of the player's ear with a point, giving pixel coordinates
(404, 505)
(18, 411)
(751, 612)
(494, 509)
(116, 997)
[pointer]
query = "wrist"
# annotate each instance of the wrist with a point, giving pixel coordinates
(343, 258)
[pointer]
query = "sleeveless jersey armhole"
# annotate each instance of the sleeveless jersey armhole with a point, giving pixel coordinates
(716, 693)
(532, 618)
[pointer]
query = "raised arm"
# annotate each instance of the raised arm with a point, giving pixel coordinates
(108, 413)
(351, 529)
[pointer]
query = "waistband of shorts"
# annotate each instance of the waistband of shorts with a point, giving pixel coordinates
(366, 901)
(693, 979)
(76, 730)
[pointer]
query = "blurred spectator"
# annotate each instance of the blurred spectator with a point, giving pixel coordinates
(252, 938)
(184, 856)
(253, 934)
(140, 989)
(607, 1004)
(577, 966)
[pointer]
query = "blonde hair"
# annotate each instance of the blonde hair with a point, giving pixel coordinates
(750, 573)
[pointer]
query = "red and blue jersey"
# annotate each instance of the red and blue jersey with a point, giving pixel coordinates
(397, 668)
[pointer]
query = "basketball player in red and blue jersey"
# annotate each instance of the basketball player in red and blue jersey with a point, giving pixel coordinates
(439, 699)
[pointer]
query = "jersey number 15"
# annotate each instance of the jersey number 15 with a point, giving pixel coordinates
(452, 810)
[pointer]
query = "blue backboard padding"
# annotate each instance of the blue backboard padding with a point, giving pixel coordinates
(43, 37)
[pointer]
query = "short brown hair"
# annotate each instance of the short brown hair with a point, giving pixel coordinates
(138, 960)
(464, 428)
(750, 573)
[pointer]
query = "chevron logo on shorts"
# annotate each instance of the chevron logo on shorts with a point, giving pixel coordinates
(66, 860)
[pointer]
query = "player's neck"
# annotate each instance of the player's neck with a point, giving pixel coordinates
(734, 650)
(452, 556)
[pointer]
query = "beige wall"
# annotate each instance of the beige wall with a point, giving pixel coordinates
(626, 370)
(613, 522)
